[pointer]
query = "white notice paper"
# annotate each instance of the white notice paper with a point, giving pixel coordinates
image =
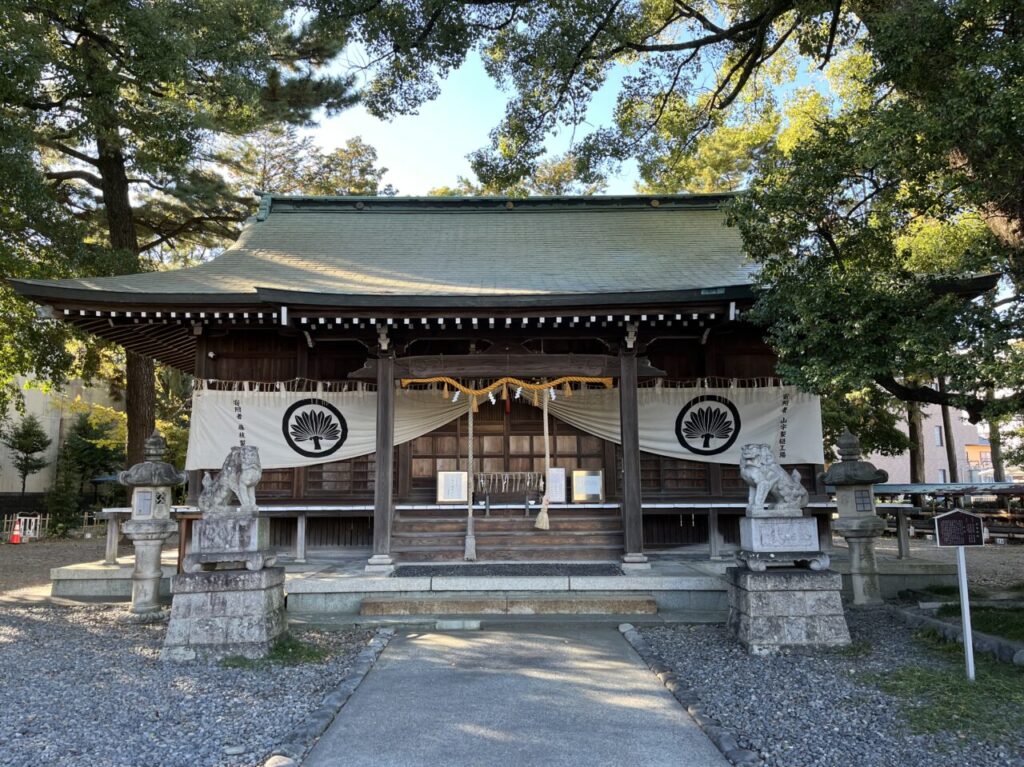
(556, 485)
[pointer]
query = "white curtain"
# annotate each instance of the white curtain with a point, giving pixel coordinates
(705, 424)
(299, 428)
(295, 428)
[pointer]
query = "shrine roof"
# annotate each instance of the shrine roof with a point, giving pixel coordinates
(445, 251)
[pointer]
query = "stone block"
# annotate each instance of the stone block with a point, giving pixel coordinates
(228, 580)
(779, 534)
(786, 608)
(222, 613)
(795, 578)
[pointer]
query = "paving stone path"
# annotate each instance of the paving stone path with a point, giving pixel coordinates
(559, 696)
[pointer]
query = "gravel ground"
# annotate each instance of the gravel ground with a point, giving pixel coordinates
(808, 709)
(80, 688)
(28, 564)
(991, 566)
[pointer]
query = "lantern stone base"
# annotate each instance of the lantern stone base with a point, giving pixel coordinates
(786, 608)
(225, 613)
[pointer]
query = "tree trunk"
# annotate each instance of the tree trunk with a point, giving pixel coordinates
(140, 395)
(915, 429)
(947, 428)
(995, 440)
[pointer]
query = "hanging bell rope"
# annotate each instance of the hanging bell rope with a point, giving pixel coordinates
(542, 522)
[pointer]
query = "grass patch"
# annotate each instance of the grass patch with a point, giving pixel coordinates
(854, 650)
(941, 699)
(288, 651)
(1018, 587)
(1005, 622)
(975, 592)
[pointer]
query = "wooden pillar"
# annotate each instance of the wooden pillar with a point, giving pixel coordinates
(382, 493)
(632, 510)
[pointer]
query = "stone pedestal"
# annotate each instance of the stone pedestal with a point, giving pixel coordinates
(224, 613)
(634, 563)
(380, 564)
(780, 541)
(786, 608)
(230, 541)
(863, 566)
(148, 536)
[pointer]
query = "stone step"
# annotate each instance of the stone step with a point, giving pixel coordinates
(511, 603)
(592, 553)
(502, 524)
(487, 540)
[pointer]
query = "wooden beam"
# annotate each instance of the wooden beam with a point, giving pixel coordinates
(632, 507)
(498, 365)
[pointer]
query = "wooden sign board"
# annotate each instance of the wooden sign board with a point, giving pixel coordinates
(959, 528)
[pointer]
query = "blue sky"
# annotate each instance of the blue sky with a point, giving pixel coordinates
(429, 149)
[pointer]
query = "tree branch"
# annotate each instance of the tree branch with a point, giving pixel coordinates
(80, 175)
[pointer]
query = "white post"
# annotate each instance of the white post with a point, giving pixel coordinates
(300, 538)
(965, 611)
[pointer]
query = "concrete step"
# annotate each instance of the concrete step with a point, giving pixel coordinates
(502, 524)
(511, 603)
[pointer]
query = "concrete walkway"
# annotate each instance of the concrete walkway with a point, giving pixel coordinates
(547, 696)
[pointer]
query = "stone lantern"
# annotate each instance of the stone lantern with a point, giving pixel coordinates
(150, 525)
(858, 523)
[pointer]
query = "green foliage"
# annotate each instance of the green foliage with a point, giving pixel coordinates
(940, 699)
(26, 440)
(287, 651)
(110, 113)
(1005, 622)
(277, 160)
(64, 502)
(552, 176)
(89, 450)
(864, 237)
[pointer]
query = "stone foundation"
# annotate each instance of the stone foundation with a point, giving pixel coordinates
(785, 608)
(223, 613)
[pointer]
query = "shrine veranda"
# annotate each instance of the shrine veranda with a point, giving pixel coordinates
(352, 339)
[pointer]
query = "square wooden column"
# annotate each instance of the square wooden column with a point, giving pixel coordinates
(383, 501)
(632, 509)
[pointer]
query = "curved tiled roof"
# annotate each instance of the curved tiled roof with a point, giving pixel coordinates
(450, 248)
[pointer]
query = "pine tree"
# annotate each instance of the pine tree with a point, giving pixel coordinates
(110, 111)
(26, 440)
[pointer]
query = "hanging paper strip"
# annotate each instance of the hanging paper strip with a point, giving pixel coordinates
(304, 428)
(706, 424)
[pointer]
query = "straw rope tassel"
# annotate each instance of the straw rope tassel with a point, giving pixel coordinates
(543, 523)
(470, 552)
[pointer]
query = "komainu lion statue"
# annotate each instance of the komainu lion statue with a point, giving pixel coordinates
(238, 476)
(767, 480)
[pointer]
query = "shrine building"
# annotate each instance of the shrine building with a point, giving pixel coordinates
(405, 365)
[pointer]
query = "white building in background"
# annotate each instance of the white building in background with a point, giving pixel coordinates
(936, 462)
(56, 416)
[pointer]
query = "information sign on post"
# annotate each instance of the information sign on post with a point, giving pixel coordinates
(959, 529)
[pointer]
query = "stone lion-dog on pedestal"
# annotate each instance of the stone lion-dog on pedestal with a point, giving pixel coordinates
(768, 480)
